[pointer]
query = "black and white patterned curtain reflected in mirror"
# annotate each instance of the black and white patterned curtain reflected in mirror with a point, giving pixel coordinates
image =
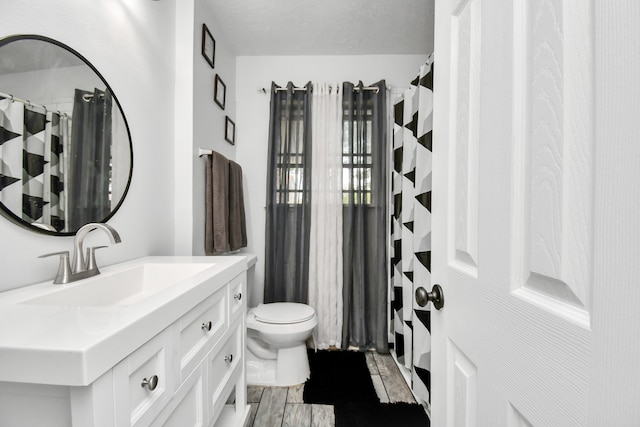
(32, 163)
(411, 228)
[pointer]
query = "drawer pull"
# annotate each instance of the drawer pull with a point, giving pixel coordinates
(150, 383)
(228, 358)
(207, 326)
(237, 296)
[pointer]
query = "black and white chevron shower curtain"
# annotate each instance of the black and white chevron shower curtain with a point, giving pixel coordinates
(32, 169)
(411, 228)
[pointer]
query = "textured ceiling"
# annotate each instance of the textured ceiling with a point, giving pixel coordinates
(326, 27)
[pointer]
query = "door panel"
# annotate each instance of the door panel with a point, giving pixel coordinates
(463, 233)
(512, 212)
(463, 376)
(553, 157)
(517, 420)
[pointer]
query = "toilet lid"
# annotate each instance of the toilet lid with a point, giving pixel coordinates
(283, 312)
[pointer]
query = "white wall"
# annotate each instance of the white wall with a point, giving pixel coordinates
(45, 87)
(183, 130)
(209, 118)
(131, 43)
(253, 116)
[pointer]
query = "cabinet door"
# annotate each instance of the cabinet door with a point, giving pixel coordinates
(223, 366)
(201, 328)
(146, 380)
(187, 408)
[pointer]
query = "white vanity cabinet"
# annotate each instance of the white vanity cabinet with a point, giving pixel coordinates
(191, 373)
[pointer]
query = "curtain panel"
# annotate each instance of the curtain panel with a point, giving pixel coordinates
(32, 165)
(326, 237)
(365, 146)
(288, 212)
(411, 228)
(90, 158)
(56, 144)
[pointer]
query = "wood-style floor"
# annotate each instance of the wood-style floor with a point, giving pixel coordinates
(284, 407)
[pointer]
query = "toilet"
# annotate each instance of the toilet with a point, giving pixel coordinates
(276, 343)
(276, 350)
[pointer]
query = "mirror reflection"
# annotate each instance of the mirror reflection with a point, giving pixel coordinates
(65, 148)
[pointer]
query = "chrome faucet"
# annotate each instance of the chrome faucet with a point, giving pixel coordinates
(79, 263)
(82, 267)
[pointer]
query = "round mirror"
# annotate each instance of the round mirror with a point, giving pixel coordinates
(65, 148)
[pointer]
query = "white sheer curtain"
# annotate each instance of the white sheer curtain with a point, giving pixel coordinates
(325, 252)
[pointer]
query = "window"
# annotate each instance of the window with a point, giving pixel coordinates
(290, 156)
(357, 158)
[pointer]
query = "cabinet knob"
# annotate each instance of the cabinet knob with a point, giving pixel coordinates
(228, 358)
(207, 326)
(150, 383)
(237, 296)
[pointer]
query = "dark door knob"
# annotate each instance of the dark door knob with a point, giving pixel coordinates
(435, 296)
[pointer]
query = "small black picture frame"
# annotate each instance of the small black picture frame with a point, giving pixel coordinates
(230, 131)
(208, 46)
(219, 92)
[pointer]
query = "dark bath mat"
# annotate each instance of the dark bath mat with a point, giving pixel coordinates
(342, 379)
(339, 377)
(381, 415)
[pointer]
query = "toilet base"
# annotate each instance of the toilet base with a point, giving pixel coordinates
(291, 367)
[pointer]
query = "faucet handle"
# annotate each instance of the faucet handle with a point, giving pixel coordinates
(64, 268)
(91, 257)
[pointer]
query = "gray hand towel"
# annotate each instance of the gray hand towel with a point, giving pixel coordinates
(217, 205)
(237, 222)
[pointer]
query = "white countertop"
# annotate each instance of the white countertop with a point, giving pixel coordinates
(71, 345)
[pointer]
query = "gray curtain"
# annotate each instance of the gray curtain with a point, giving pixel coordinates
(364, 220)
(288, 196)
(89, 196)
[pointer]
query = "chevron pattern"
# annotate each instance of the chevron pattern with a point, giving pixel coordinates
(31, 172)
(411, 227)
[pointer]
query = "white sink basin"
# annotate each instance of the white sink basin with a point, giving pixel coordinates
(121, 288)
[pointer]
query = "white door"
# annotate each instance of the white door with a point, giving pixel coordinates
(535, 213)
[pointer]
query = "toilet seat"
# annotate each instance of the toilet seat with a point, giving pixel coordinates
(283, 313)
